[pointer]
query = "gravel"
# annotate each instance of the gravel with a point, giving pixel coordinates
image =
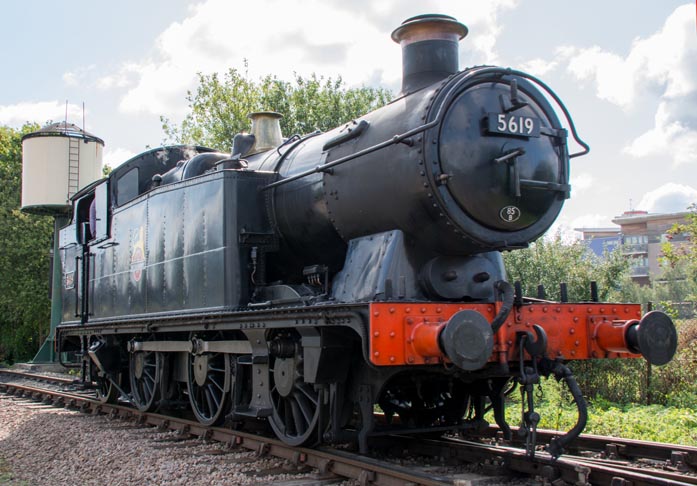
(43, 445)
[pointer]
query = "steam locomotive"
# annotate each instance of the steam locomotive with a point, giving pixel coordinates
(305, 280)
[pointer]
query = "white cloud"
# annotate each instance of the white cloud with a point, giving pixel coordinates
(669, 198)
(352, 41)
(20, 113)
(581, 182)
(613, 76)
(538, 66)
(662, 65)
(78, 76)
(115, 157)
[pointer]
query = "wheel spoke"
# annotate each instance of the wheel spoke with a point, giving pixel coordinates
(147, 389)
(213, 381)
(300, 424)
(305, 406)
(147, 374)
(214, 396)
(288, 415)
(309, 392)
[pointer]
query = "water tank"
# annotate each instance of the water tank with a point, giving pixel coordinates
(57, 161)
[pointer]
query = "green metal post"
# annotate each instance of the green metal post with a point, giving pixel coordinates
(47, 353)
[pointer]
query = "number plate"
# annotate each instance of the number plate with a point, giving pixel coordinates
(512, 124)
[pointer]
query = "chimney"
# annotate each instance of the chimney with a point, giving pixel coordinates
(266, 128)
(429, 49)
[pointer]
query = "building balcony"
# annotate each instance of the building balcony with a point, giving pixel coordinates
(639, 271)
(636, 249)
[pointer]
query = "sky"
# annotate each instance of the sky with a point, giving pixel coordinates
(625, 69)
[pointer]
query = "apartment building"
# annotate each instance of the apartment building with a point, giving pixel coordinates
(641, 235)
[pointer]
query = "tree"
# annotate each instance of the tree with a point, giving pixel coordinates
(551, 262)
(25, 241)
(219, 107)
(680, 255)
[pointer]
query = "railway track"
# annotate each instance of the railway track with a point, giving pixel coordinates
(611, 461)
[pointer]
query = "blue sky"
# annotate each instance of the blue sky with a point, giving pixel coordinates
(627, 71)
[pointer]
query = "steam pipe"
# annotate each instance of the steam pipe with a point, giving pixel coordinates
(557, 444)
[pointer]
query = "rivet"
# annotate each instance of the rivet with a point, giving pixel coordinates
(407, 310)
(571, 309)
(575, 319)
(376, 353)
(589, 310)
(376, 333)
(544, 309)
(527, 324)
(577, 342)
(423, 310)
(410, 321)
(531, 309)
(573, 352)
(614, 310)
(438, 310)
(410, 359)
(510, 343)
(392, 359)
(391, 310)
(558, 309)
(594, 354)
(376, 313)
(392, 334)
(626, 310)
(572, 331)
(510, 324)
(602, 310)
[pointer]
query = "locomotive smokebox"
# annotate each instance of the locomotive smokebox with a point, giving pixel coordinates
(429, 49)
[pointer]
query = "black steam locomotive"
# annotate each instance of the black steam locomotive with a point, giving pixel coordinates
(305, 280)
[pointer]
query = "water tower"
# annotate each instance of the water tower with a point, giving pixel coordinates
(57, 161)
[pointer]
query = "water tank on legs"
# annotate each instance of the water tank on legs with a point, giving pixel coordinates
(57, 161)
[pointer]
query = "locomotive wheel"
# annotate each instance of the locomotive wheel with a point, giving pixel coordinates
(296, 404)
(106, 391)
(209, 381)
(145, 373)
(425, 406)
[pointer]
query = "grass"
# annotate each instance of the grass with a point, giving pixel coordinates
(5, 473)
(658, 423)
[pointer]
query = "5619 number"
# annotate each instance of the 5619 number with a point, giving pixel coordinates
(508, 124)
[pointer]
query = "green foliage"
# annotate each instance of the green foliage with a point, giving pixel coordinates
(673, 424)
(24, 259)
(680, 259)
(551, 262)
(219, 107)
